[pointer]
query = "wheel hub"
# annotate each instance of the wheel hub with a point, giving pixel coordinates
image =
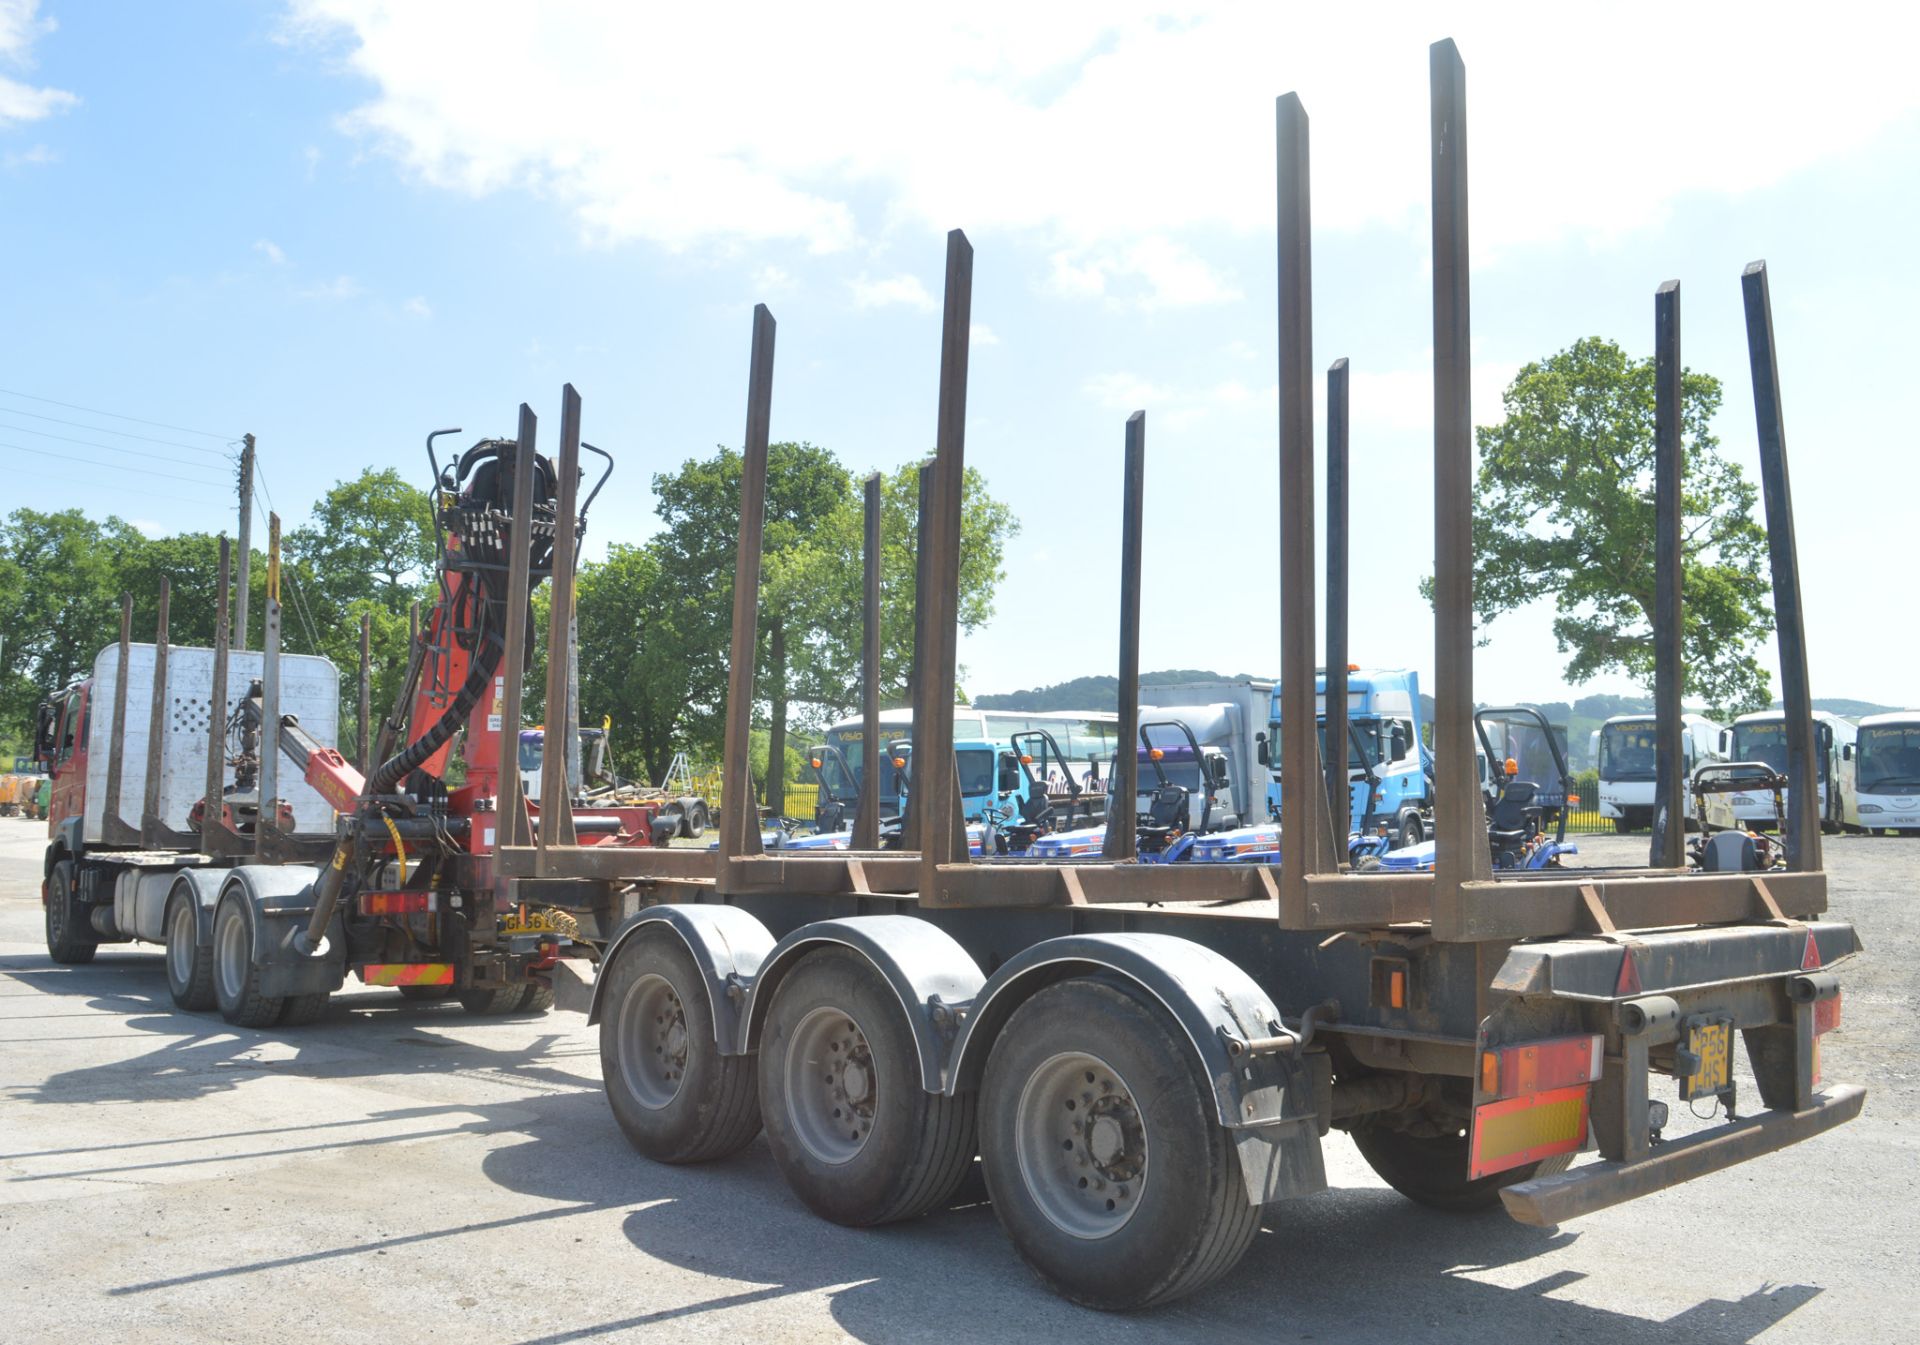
(654, 1042)
(831, 1085)
(1082, 1145)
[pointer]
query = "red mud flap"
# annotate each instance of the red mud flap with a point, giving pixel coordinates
(1546, 1201)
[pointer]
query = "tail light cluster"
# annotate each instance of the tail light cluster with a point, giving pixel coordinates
(1536, 1102)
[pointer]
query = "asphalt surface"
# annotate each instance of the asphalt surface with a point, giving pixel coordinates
(401, 1171)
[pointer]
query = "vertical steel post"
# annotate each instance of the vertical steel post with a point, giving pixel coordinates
(943, 832)
(266, 825)
(114, 828)
(1303, 827)
(215, 798)
(243, 593)
(866, 815)
(152, 825)
(1803, 788)
(513, 827)
(1668, 848)
(1339, 795)
(556, 786)
(1122, 840)
(739, 818)
(365, 743)
(1459, 812)
(922, 607)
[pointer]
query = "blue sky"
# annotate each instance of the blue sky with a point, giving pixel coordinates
(339, 225)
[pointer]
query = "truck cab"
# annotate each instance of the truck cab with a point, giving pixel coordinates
(1388, 761)
(60, 746)
(992, 776)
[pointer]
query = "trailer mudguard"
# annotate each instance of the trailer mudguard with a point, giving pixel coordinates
(726, 944)
(932, 976)
(278, 900)
(202, 887)
(1266, 1100)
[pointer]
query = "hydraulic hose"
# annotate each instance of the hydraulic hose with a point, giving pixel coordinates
(479, 676)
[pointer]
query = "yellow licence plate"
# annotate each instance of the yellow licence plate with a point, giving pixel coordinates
(1712, 1045)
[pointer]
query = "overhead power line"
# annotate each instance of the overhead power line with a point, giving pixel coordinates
(145, 492)
(113, 448)
(92, 462)
(107, 429)
(115, 415)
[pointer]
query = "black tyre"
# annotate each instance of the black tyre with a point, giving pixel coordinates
(70, 937)
(236, 979)
(1103, 1152)
(677, 1099)
(1624, 826)
(696, 820)
(1411, 832)
(857, 1137)
(426, 991)
(536, 999)
(1432, 1169)
(491, 1002)
(303, 1009)
(189, 962)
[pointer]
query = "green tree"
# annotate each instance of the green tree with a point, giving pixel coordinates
(1564, 507)
(639, 648)
(59, 602)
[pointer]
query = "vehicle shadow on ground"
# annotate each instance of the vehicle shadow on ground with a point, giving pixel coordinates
(1351, 1264)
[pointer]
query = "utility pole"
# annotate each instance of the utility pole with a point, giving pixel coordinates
(246, 543)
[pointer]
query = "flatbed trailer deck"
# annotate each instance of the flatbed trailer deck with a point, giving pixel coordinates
(1144, 1055)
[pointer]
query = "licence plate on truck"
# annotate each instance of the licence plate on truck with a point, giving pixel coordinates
(1711, 1045)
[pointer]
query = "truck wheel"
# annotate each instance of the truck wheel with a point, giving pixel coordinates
(236, 979)
(426, 991)
(492, 1002)
(857, 1137)
(189, 963)
(1431, 1170)
(536, 999)
(304, 1009)
(1104, 1157)
(677, 1099)
(696, 815)
(1623, 826)
(1411, 832)
(69, 930)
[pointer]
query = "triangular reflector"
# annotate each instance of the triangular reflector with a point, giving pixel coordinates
(1810, 959)
(1628, 982)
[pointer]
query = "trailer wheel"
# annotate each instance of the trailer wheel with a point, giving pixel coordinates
(536, 999)
(1102, 1151)
(189, 963)
(677, 1099)
(856, 1135)
(304, 1009)
(426, 991)
(696, 815)
(69, 930)
(491, 1002)
(236, 980)
(1431, 1170)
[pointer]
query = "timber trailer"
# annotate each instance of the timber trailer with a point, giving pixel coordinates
(1143, 1055)
(265, 896)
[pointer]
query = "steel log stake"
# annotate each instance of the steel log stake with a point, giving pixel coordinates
(1803, 789)
(213, 801)
(556, 787)
(153, 828)
(1302, 824)
(1668, 847)
(936, 784)
(1339, 796)
(922, 606)
(1460, 825)
(739, 818)
(514, 827)
(1122, 840)
(866, 808)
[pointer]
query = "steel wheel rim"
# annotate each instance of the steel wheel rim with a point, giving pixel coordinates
(231, 954)
(1081, 1144)
(57, 906)
(832, 1090)
(181, 938)
(653, 1042)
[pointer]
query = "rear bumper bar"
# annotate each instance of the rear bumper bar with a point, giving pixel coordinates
(1546, 1201)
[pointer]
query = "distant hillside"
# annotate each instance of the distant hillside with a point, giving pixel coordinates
(1091, 693)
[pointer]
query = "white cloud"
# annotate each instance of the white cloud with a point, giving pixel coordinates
(900, 289)
(417, 307)
(32, 156)
(1115, 135)
(271, 251)
(1402, 399)
(982, 335)
(1124, 391)
(20, 27)
(770, 282)
(337, 290)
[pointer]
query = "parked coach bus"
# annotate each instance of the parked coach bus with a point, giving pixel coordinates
(1886, 759)
(1626, 746)
(1763, 737)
